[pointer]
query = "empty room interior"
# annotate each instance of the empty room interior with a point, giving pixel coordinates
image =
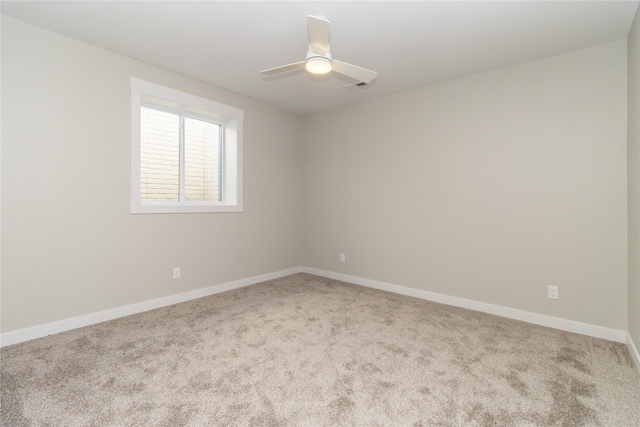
(440, 227)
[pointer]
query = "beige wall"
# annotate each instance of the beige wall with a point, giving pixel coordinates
(70, 246)
(488, 188)
(633, 179)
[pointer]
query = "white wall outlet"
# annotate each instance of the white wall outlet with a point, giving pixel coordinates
(176, 272)
(552, 292)
(343, 257)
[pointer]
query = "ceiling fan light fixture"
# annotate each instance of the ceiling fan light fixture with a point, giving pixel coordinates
(319, 60)
(318, 65)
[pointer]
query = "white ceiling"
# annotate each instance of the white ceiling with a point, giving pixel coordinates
(410, 44)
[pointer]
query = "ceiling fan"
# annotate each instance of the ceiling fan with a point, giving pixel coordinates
(319, 60)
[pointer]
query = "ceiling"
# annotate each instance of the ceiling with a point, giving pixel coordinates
(410, 44)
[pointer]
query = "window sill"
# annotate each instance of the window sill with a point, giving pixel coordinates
(183, 208)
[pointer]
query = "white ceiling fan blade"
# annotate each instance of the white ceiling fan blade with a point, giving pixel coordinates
(353, 71)
(284, 68)
(319, 29)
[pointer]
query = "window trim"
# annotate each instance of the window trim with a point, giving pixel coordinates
(145, 93)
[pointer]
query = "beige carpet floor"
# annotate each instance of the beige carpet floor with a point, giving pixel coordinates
(309, 351)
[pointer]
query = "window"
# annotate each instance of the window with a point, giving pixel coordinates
(186, 152)
(169, 140)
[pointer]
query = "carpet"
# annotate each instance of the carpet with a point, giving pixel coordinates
(310, 351)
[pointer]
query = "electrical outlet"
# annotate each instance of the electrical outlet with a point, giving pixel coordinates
(552, 292)
(176, 272)
(343, 258)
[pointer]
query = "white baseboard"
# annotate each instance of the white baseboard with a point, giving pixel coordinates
(635, 355)
(525, 316)
(21, 335)
(14, 337)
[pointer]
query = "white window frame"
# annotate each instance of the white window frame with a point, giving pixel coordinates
(145, 93)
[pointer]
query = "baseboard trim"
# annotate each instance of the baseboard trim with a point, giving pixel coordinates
(525, 316)
(21, 335)
(635, 355)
